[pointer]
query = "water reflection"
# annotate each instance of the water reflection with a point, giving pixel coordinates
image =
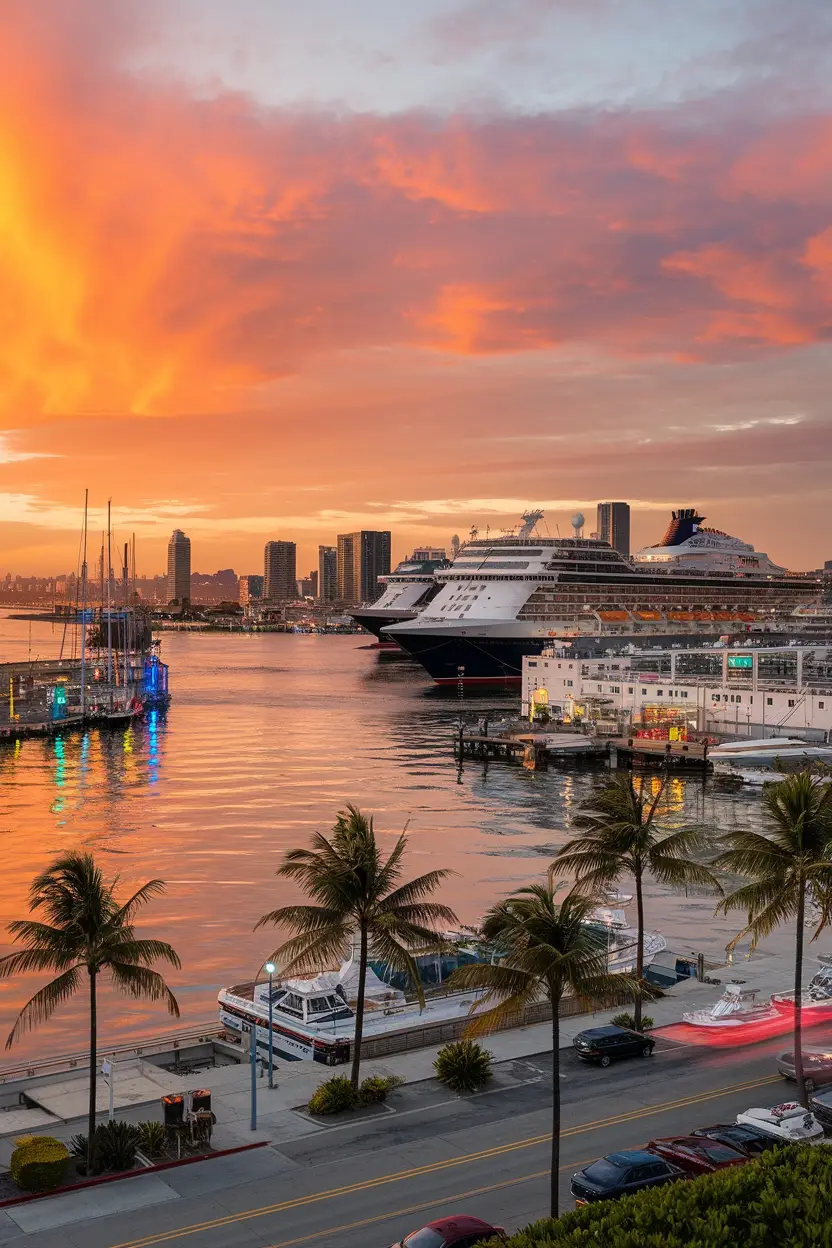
(267, 737)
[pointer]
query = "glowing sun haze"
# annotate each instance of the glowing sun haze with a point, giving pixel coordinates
(271, 270)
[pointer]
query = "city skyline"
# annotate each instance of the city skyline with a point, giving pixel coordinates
(593, 244)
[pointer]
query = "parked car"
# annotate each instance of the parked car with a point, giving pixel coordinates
(459, 1231)
(790, 1123)
(817, 1066)
(697, 1154)
(602, 1044)
(746, 1139)
(621, 1174)
(821, 1106)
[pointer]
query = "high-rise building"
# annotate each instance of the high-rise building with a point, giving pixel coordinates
(179, 567)
(362, 558)
(327, 573)
(308, 585)
(613, 525)
(280, 572)
(250, 589)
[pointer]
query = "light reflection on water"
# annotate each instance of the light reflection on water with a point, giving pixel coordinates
(267, 737)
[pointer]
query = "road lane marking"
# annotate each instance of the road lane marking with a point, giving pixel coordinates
(486, 1154)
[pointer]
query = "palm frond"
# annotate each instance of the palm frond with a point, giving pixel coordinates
(301, 918)
(125, 912)
(39, 1008)
(139, 981)
(141, 952)
(26, 961)
(417, 890)
(307, 954)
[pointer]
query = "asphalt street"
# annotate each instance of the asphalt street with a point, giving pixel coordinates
(369, 1181)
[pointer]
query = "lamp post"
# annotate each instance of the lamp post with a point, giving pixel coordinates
(253, 1064)
(270, 970)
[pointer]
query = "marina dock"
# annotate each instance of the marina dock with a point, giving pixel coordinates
(539, 750)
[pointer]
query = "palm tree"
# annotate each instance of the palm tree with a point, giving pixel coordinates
(546, 950)
(780, 867)
(86, 930)
(358, 893)
(620, 835)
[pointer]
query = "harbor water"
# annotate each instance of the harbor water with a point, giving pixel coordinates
(267, 737)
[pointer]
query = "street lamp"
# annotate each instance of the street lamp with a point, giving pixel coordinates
(270, 969)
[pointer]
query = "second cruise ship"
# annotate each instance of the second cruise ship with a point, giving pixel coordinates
(407, 591)
(503, 598)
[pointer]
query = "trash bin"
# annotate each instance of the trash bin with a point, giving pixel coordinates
(174, 1110)
(201, 1099)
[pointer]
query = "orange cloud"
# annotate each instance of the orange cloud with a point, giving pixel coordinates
(161, 252)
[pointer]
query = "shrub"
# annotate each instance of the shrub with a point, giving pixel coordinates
(377, 1088)
(115, 1145)
(39, 1163)
(782, 1200)
(152, 1138)
(334, 1096)
(464, 1065)
(78, 1146)
(627, 1020)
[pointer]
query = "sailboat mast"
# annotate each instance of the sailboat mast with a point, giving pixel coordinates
(127, 640)
(109, 606)
(84, 613)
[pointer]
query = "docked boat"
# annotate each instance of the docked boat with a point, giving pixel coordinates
(737, 1007)
(407, 591)
(508, 597)
(766, 752)
(817, 996)
(622, 939)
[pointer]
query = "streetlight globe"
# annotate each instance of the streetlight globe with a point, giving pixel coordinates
(270, 968)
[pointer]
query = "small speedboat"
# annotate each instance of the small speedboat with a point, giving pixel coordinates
(766, 751)
(816, 997)
(736, 1007)
(788, 1122)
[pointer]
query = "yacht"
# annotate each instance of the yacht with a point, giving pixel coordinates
(407, 591)
(735, 1008)
(506, 597)
(817, 996)
(733, 757)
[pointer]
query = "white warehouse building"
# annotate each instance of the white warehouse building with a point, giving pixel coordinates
(742, 700)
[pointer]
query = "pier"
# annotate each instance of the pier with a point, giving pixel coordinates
(538, 750)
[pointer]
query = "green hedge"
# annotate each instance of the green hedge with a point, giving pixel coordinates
(782, 1200)
(39, 1163)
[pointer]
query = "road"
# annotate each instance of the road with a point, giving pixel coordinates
(370, 1181)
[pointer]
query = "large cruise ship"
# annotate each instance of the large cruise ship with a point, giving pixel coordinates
(503, 598)
(408, 590)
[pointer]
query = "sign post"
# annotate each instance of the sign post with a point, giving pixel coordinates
(107, 1072)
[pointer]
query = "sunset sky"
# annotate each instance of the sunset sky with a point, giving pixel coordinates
(280, 270)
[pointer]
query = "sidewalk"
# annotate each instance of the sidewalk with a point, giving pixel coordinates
(139, 1086)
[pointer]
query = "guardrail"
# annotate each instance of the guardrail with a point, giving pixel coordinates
(141, 1048)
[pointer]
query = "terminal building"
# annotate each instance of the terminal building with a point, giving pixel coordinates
(750, 691)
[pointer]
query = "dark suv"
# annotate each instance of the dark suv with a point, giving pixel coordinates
(602, 1044)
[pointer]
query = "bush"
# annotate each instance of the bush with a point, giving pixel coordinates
(464, 1065)
(78, 1146)
(782, 1200)
(39, 1163)
(377, 1088)
(627, 1020)
(334, 1096)
(152, 1138)
(115, 1145)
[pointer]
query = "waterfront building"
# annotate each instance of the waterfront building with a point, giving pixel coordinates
(613, 525)
(362, 558)
(250, 589)
(179, 567)
(735, 690)
(280, 572)
(327, 573)
(308, 585)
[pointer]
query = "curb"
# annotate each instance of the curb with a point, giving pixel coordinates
(131, 1174)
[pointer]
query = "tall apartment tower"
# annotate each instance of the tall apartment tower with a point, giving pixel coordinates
(327, 573)
(614, 525)
(362, 558)
(280, 572)
(179, 566)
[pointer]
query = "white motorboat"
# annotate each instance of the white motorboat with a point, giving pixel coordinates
(622, 939)
(736, 1007)
(765, 752)
(817, 996)
(788, 1122)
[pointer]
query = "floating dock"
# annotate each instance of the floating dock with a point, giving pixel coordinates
(538, 750)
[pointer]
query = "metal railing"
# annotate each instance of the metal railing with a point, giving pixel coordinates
(66, 1063)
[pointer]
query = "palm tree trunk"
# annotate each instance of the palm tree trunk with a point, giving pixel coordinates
(93, 1071)
(555, 1172)
(640, 948)
(359, 1009)
(798, 996)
